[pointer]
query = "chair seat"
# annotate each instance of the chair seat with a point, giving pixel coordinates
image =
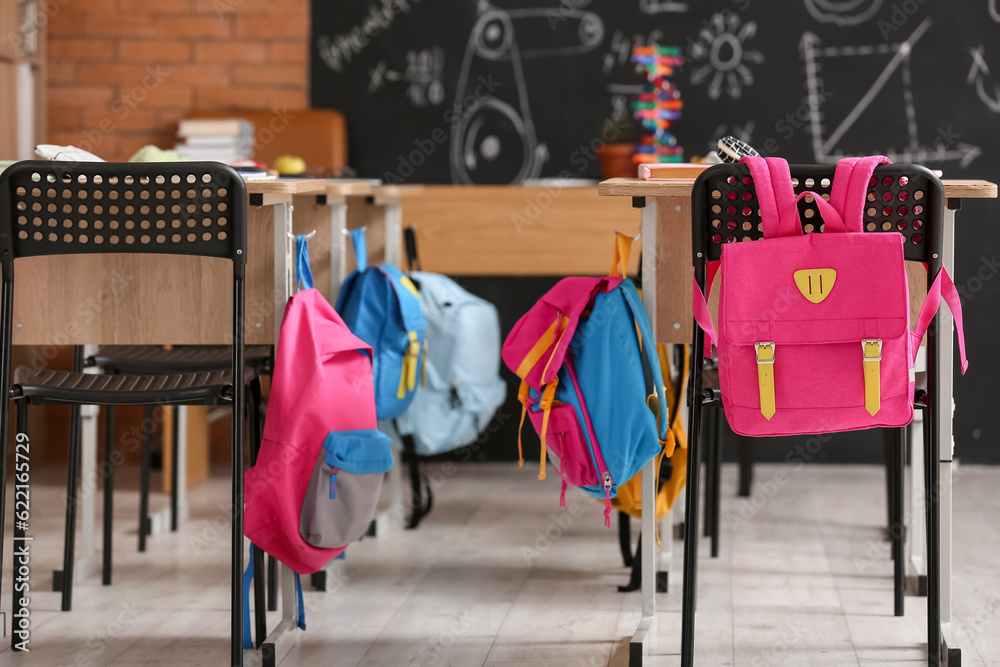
(52, 386)
(155, 359)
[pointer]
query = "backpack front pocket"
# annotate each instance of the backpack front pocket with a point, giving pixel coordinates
(568, 444)
(340, 501)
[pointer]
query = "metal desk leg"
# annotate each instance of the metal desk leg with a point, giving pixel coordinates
(915, 532)
(86, 564)
(394, 233)
(645, 633)
(285, 636)
(946, 406)
(162, 521)
(338, 248)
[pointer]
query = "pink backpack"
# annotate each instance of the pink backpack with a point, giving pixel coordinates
(320, 466)
(814, 329)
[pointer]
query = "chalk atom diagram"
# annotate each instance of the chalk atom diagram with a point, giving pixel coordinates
(832, 145)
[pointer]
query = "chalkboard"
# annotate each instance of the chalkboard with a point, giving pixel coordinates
(484, 92)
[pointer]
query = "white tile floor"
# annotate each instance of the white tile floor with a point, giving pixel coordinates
(805, 580)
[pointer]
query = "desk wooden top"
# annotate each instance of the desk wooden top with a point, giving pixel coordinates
(681, 187)
(291, 186)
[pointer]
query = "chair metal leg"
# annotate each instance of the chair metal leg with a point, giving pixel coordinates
(147, 455)
(625, 537)
(897, 528)
(932, 508)
(691, 534)
(716, 474)
(272, 583)
(745, 449)
(254, 435)
(20, 527)
(175, 459)
(69, 542)
(889, 448)
(109, 490)
(709, 452)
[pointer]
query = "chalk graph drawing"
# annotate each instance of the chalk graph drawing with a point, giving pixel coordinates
(977, 76)
(493, 137)
(829, 146)
(843, 12)
(423, 75)
(720, 53)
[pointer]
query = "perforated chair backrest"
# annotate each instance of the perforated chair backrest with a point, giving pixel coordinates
(183, 208)
(902, 198)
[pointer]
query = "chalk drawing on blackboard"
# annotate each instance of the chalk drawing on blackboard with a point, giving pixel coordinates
(977, 77)
(620, 48)
(843, 12)
(828, 147)
(994, 12)
(493, 138)
(720, 54)
(661, 6)
(423, 75)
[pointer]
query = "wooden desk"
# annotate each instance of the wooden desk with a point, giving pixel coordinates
(666, 213)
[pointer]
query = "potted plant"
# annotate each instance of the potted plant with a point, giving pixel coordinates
(618, 137)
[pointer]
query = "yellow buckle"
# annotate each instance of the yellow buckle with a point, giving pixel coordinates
(765, 377)
(767, 347)
(877, 342)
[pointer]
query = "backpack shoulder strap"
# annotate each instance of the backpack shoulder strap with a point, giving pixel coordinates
(772, 182)
(360, 246)
(650, 358)
(407, 297)
(942, 287)
(849, 190)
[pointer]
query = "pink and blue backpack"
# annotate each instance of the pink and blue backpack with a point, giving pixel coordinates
(589, 382)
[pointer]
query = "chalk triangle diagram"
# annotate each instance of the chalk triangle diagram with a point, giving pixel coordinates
(875, 112)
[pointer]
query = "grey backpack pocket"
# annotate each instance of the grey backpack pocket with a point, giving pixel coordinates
(343, 492)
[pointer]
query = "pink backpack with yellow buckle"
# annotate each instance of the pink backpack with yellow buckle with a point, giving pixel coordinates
(814, 329)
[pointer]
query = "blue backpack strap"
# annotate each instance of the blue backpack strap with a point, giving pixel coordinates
(247, 579)
(303, 272)
(300, 602)
(360, 248)
(409, 302)
(648, 348)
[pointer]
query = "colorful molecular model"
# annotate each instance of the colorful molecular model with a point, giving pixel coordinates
(658, 105)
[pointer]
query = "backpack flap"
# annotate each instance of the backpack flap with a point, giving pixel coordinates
(344, 489)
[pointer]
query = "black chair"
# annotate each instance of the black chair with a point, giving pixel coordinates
(921, 226)
(59, 208)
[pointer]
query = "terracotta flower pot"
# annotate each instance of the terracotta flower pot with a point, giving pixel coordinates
(616, 161)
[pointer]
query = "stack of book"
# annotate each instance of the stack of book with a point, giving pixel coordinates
(222, 139)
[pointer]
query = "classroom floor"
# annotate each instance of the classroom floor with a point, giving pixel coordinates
(806, 580)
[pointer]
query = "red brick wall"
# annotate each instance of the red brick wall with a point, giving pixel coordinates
(122, 72)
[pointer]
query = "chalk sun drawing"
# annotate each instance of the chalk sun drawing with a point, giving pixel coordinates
(720, 54)
(843, 12)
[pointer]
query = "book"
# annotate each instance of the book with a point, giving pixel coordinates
(190, 127)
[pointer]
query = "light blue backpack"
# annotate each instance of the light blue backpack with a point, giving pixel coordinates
(381, 307)
(463, 388)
